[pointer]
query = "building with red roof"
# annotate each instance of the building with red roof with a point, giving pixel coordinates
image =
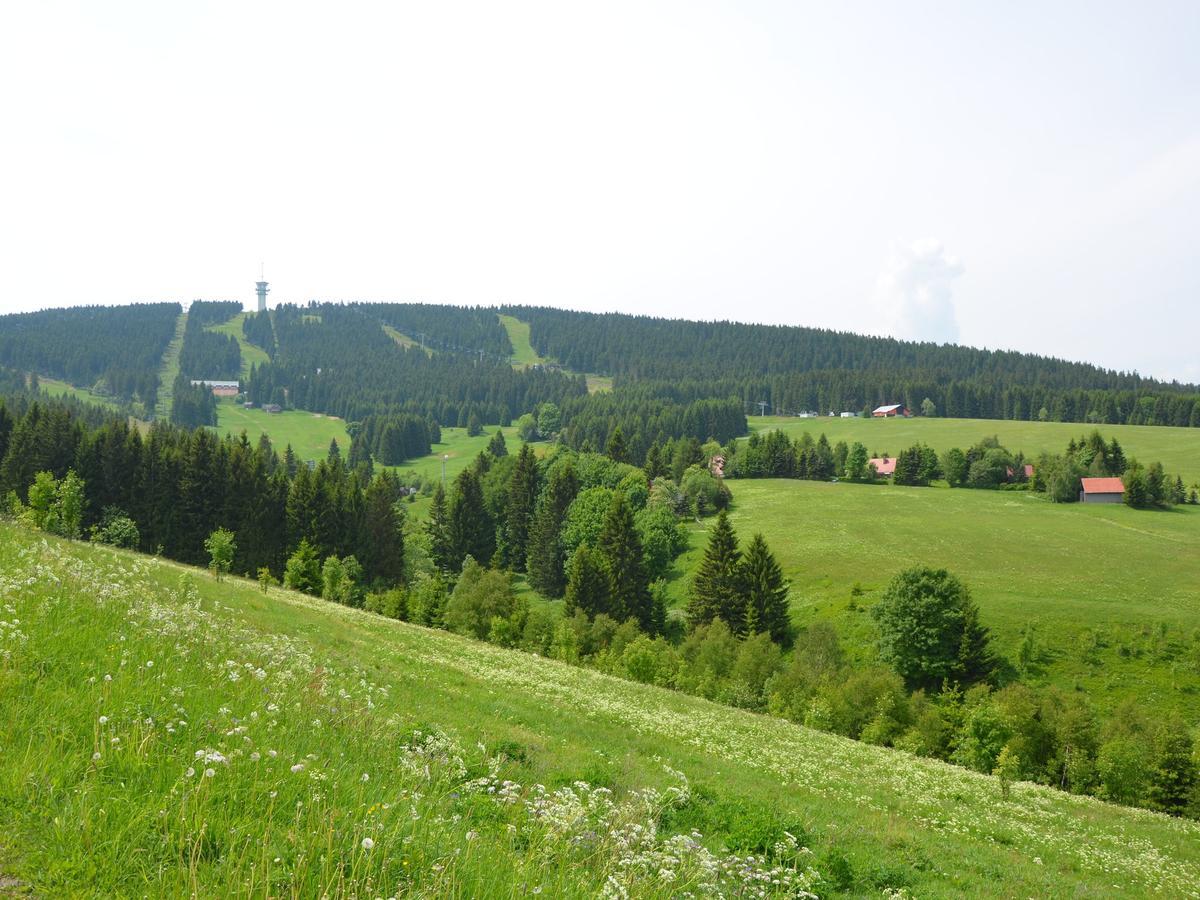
(1102, 490)
(885, 467)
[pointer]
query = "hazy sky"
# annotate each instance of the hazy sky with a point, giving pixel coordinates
(1021, 175)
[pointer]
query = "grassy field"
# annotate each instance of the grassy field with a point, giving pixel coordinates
(166, 735)
(1178, 449)
(518, 336)
(252, 354)
(308, 433)
(460, 451)
(1113, 594)
(56, 388)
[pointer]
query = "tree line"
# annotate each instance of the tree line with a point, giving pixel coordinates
(208, 354)
(795, 369)
(116, 350)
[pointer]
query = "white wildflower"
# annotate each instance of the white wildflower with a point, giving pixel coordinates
(367, 843)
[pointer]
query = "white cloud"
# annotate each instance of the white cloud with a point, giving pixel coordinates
(914, 295)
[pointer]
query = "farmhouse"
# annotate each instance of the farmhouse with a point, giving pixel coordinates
(849, 415)
(885, 467)
(272, 408)
(896, 409)
(716, 466)
(1102, 490)
(219, 388)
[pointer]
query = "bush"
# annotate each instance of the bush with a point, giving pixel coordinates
(117, 529)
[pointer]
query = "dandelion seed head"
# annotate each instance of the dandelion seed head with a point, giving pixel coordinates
(367, 843)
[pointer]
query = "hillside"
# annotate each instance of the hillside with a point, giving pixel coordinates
(126, 679)
(1109, 592)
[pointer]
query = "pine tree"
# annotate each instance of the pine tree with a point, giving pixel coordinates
(589, 584)
(496, 445)
(716, 588)
(472, 532)
(335, 452)
(381, 535)
(290, 463)
(544, 560)
(521, 501)
(766, 592)
(616, 449)
(976, 662)
(621, 548)
(437, 527)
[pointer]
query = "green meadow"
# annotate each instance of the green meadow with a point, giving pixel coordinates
(252, 354)
(166, 734)
(1178, 449)
(56, 388)
(308, 433)
(1112, 594)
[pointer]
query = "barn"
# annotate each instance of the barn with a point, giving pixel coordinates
(896, 409)
(1102, 490)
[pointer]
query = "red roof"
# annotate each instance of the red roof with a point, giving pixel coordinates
(1103, 486)
(885, 466)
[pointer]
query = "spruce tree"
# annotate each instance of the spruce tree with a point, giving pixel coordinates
(616, 449)
(766, 593)
(521, 501)
(381, 535)
(472, 532)
(621, 548)
(589, 584)
(437, 527)
(544, 560)
(496, 445)
(716, 588)
(976, 662)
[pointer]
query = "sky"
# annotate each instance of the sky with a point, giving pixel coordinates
(1017, 175)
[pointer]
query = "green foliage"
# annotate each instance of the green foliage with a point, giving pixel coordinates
(856, 462)
(929, 630)
(341, 581)
(585, 518)
(117, 529)
(619, 544)
(761, 579)
(480, 596)
(54, 506)
(1007, 769)
(544, 560)
(303, 569)
(589, 583)
(702, 493)
(220, 546)
(471, 529)
(717, 591)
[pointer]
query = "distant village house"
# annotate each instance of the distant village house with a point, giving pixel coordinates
(885, 466)
(1102, 490)
(716, 466)
(896, 409)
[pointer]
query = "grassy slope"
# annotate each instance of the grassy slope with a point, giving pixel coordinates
(252, 354)
(1178, 449)
(70, 823)
(308, 433)
(518, 336)
(525, 355)
(1069, 571)
(56, 388)
(170, 370)
(402, 339)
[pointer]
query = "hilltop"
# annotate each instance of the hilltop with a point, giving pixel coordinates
(159, 674)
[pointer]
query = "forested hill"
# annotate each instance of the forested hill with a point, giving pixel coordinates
(115, 348)
(337, 359)
(794, 369)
